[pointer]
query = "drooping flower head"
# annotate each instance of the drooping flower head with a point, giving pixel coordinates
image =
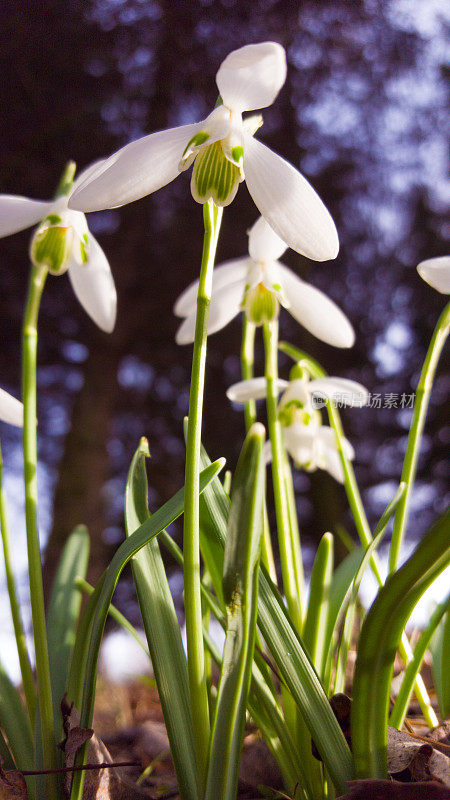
(225, 153)
(436, 272)
(311, 444)
(258, 284)
(62, 242)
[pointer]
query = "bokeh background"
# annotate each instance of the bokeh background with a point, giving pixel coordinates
(362, 114)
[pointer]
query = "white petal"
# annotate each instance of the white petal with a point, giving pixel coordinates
(225, 304)
(138, 169)
(18, 213)
(289, 203)
(11, 410)
(252, 76)
(224, 274)
(340, 390)
(88, 172)
(263, 243)
(329, 454)
(315, 311)
(299, 440)
(94, 287)
(436, 272)
(252, 389)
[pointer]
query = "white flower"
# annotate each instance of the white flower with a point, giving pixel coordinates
(258, 284)
(436, 272)
(63, 242)
(11, 410)
(225, 153)
(311, 444)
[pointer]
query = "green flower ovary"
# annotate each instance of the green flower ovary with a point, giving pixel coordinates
(214, 176)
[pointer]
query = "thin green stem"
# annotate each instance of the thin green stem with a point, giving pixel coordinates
(270, 333)
(192, 593)
(423, 393)
(295, 537)
(247, 364)
(19, 633)
(29, 349)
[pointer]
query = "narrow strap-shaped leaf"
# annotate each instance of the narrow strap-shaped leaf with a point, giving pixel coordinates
(288, 652)
(440, 655)
(15, 723)
(63, 613)
(240, 591)
(378, 642)
(339, 591)
(404, 696)
(316, 623)
(163, 517)
(162, 631)
(445, 661)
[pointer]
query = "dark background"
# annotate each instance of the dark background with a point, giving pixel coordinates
(361, 114)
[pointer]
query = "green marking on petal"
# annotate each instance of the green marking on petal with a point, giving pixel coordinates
(261, 305)
(196, 141)
(51, 247)
(83, 252)
(53, 219)
(237, 154)
(214, 176)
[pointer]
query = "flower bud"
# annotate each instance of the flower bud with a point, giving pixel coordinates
(260, 305)
(51, 245)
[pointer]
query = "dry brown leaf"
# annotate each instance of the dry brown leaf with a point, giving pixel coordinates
(394, 790)
(421, 760)
(12, 785)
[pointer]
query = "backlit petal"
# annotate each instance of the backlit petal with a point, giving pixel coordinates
(251, 77)
(225, 304)
(252, 389)
(94, 287)
(138, 169)
(436, 272)
(223, 275)
(263, 243)
(315, 311)
(11, 410)
(18, 213)
(329, 454)
(341, 390)
(289, 203)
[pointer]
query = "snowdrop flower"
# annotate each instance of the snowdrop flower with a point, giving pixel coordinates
(436, 272)
(11, 410)
(62, 242)
(258, 284)
(225, 153)
(311, 444)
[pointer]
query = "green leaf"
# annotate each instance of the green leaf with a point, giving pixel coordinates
(162, 631)
(378, 642)
(402, 701)
(440, 652)
(287, 650)
(63, 613)
(316, 623)
(101, 600)
(240, 590)
(15, 723)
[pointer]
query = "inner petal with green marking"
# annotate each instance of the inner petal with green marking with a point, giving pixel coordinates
(214, 176)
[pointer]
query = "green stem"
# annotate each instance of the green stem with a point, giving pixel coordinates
(295, 538)
(21, 644)
(192, 597)
(37, 281)
(270, 333)
(247, 363)
(423, 393)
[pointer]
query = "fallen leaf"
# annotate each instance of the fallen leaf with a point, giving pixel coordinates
(394, 790)
(12, 785)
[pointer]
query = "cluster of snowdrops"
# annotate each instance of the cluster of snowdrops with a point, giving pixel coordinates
(285, 652)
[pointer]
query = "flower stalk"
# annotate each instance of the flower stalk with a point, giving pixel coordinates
(191, 549)
(36, 286)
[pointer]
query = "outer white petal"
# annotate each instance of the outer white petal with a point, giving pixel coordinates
(224, 274)
(299, 440)
(18, 213)
(341, 390)
(436, 272)
(252, 76)
(136, 170)
(252, 389)
(88, 172)
(94, 287)
(225, 304)
(263, 243)
(315, 311)
(289, 203)
(11, 410)
(329, 454)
